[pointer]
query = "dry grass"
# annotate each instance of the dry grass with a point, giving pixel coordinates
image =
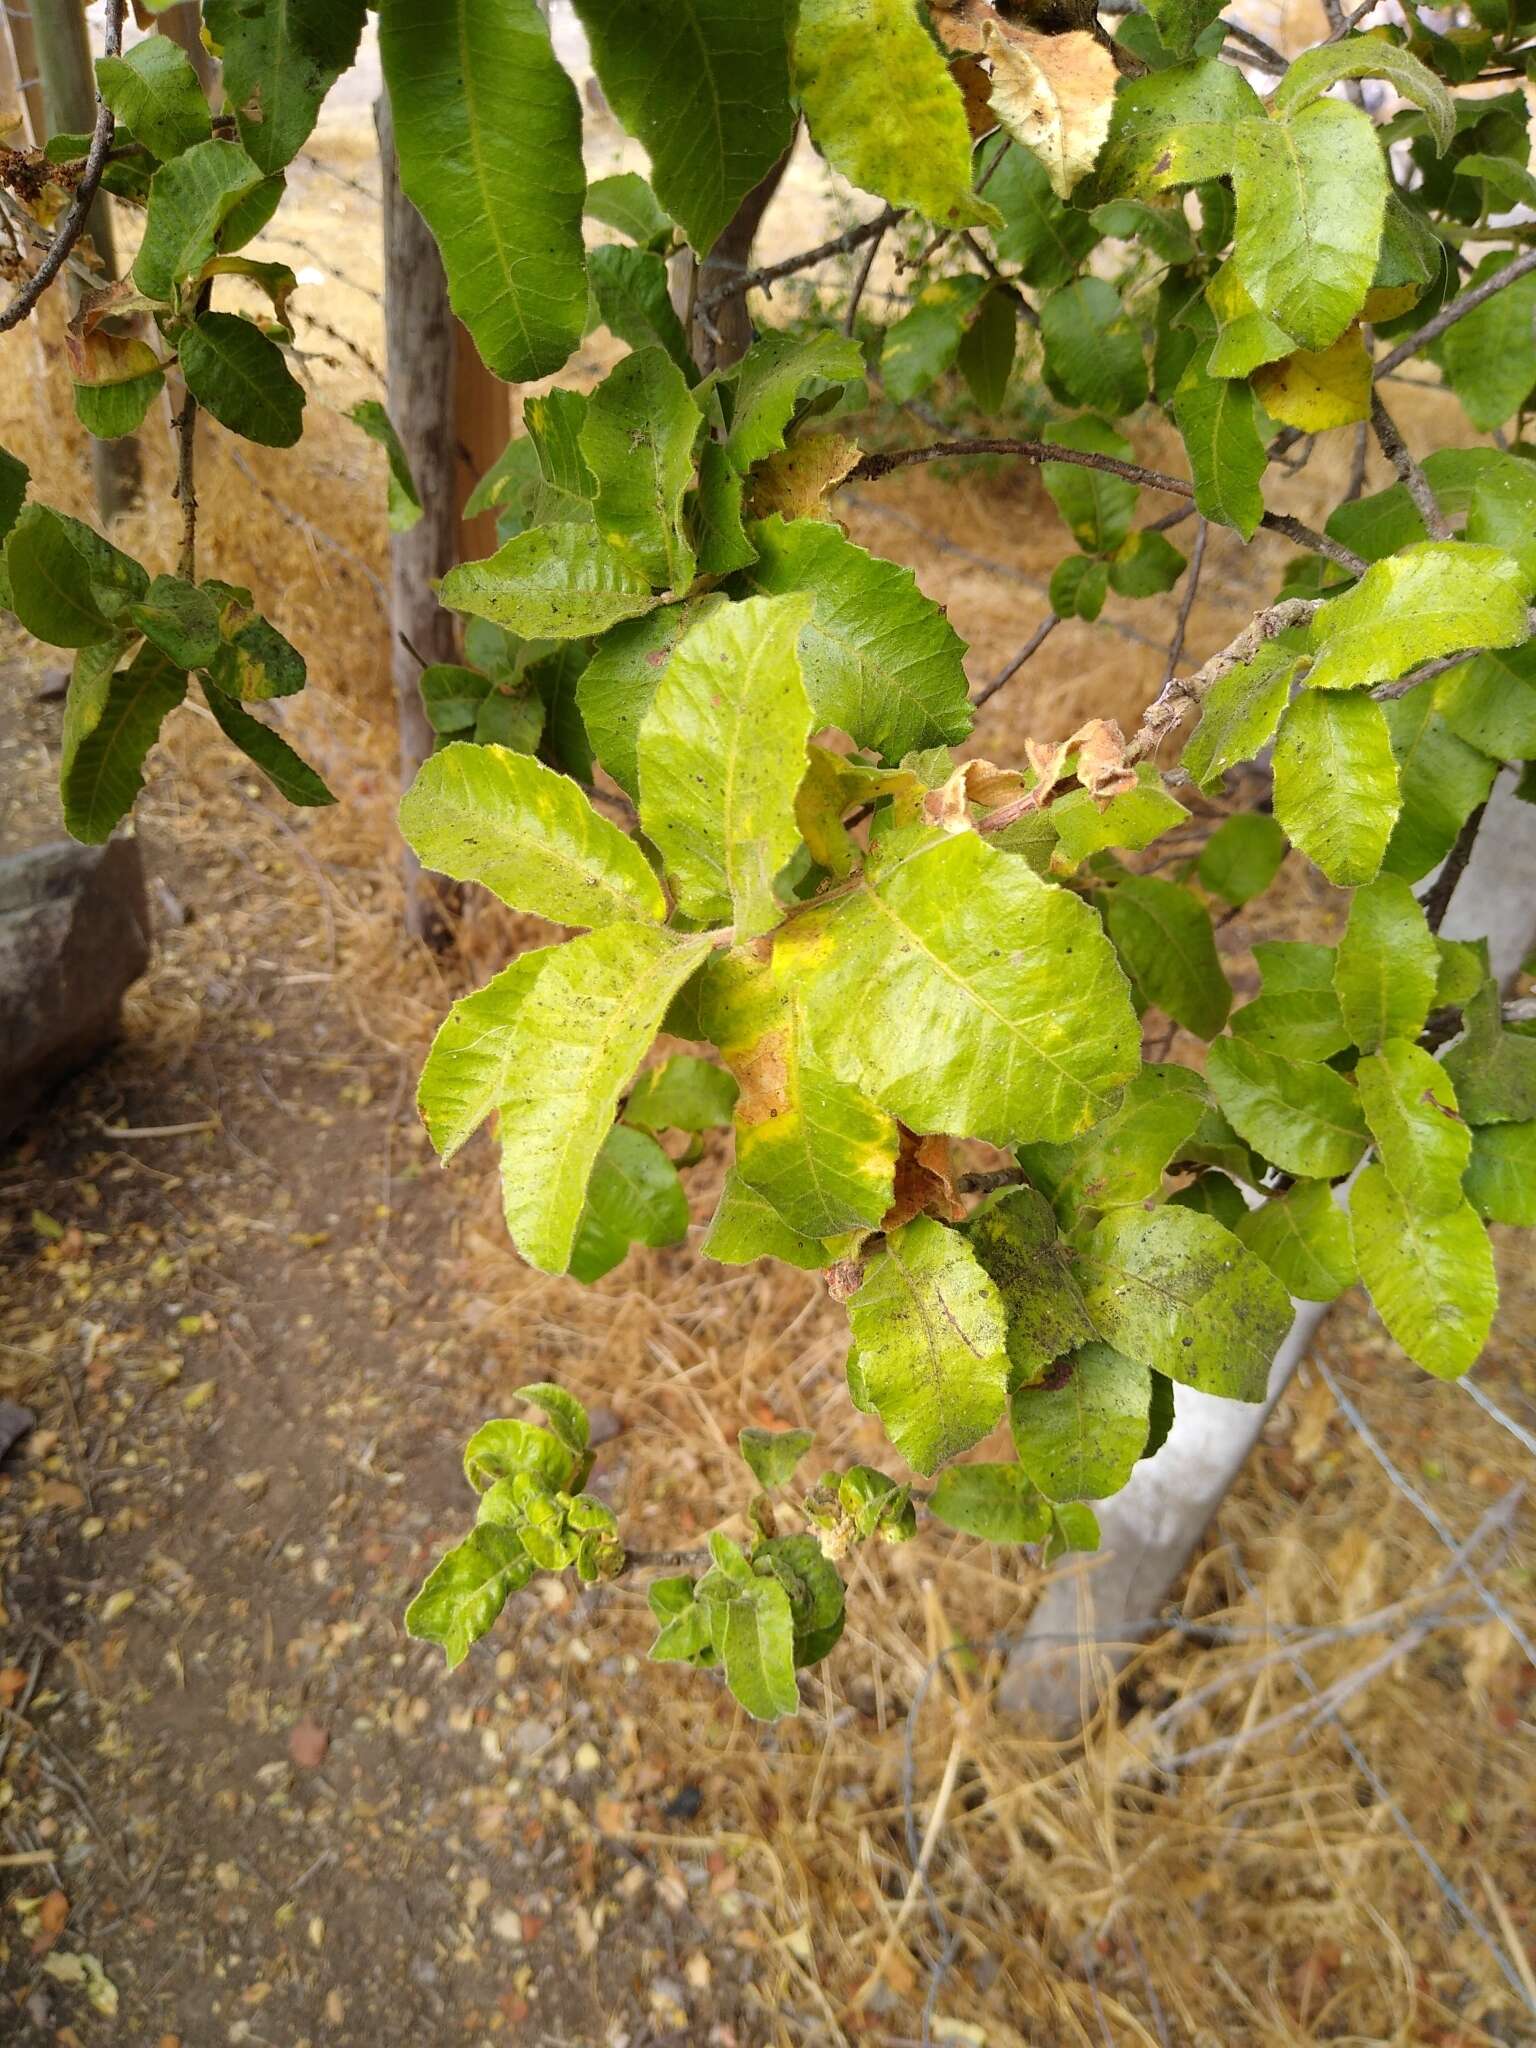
(1268, 1893)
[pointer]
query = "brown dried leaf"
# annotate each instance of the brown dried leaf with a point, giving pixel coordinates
(988, 785)
(795, 481)
(1053, 94)
(924, 1183)
(975, 83)
(1102, 767)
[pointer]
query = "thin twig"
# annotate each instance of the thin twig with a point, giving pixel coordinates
(73, 223)
(1409, 474)
(1458, 309)
(186, 486)
(851, 310)
(1191, 589)
(882, 464)
(1037, 639)
(1437, 900)
(770, 273)
(1356, 483)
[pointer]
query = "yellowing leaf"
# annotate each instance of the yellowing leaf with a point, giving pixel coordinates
(1315, 389)
(1054, 95)
(795, 480)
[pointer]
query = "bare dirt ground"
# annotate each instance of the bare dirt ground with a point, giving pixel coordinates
(256, 1324)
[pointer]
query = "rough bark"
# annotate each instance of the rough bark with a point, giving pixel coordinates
(724, 336)
(419, 331)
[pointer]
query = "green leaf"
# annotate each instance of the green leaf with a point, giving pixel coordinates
(883, 108)
(634, 301)
(253, 662)
(117, 406)
(238, 375)
(1298, 1113)
(1493, 1070)
(1433, 598)
(633, 1197)
(1239, 714)
(288, 772)
(1245, 338)
(1367, 56)
(752, 1627)
(153, 90)
(471, 1060)
(931, 1338)
(1218, 419)
(718, 530)
(1311, 194)
(638, 439)
(998, 1503)
(626, 202)
(1078, 588)
(925, 342)
(1040, 233)
(1421, 1141)
(68, 586)
(682, 1094)
(530, 835)
(488, 132)
(564, 1414)
(1442, 781)
(190, 200)
(618, 683)
(404, 501)
(1491, 703)
(1431, 1277)
(14, 478)
(881, 660)
(1162, 229)
(1163, 935)
(1176, 1290)
(768, 381)
(1463, 970)
(772, 1454)
(820, 1151)
(1297, 1011)
(468, 1589)
(1213, 1194)
(1074, 1526)
(1175, 127)
(1097, 505)
(1242, 857)
(1093, 347)
(721, 751)
(1387, 965)
(963, 993)
(1086, 824)
(554, 423)
(508, 1445)
(1501, 1180)
(746, 1227)
(551, 583)
(1122, 1158)
(1489, 356)
(109, 728)
(704, 86)
(684, 1636)
(281, 58)
(1080, 1433)
(814, 1587)
(988, 347)
(182, 621)
(1015, 1241)
(1303, 1237)
(1146, 564)
(1336, 791)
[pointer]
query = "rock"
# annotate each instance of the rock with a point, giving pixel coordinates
(15, 1422)
(74, 935)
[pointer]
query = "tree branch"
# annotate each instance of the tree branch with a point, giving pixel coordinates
(770, 273)
(1437, 900)
(70, 227)
(186, 490)
(1458, 309)
(873, 467)
(1409, 474)
(1036, 640)
(1191, 588)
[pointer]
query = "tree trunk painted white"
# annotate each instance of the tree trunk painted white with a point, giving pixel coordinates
(1088, 1620)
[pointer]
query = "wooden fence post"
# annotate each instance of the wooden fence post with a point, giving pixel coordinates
(69, 98)
(482, 426)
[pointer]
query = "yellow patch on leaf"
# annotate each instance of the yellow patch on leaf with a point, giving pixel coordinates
(1314, 390)
(1053, 93)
